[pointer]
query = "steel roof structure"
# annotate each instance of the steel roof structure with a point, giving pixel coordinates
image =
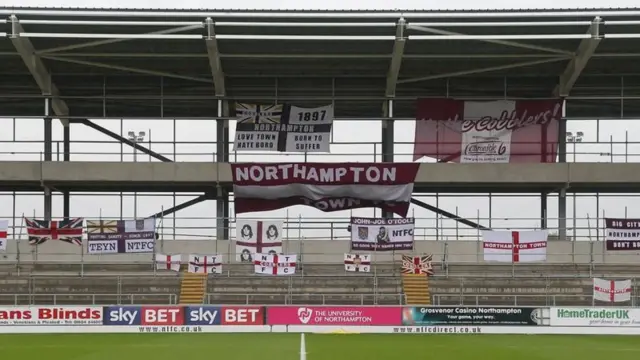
(173, 63)
(81, 64)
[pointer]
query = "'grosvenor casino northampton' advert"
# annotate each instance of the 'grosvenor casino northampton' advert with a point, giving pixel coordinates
(470, 316)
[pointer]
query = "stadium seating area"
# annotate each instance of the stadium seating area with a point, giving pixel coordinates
(542, 284)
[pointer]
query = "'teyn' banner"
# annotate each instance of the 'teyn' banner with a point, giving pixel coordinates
(121, 236)
(471, 316)
(382, 234)
(334, 315)
(622, 234)
(325, 186)
(283, 128)
(523, 131)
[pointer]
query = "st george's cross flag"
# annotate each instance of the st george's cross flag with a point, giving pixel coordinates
(611, 290)
(275, 264)
(205, 264)
(4, 228)
(257, 237)
(515, 246)
(417, 264)
(69, 230)
(168, 262)
(357, 262)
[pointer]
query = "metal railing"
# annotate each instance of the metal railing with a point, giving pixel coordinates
(305, 228)
(221, 298)
(301, 299)
(604, 150)
(89, 299)
(525, 300)
(313, 299)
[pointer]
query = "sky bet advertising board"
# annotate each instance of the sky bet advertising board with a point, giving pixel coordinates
(183, 315)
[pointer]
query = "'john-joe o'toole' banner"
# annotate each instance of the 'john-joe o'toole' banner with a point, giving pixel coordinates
(334, 315)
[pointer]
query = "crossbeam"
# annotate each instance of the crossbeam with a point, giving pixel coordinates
(451, 216)
(214, 59)
(184, 205)
(585, 51)
(121, 139)
(491, 41)
(396, 59)
(38, 70)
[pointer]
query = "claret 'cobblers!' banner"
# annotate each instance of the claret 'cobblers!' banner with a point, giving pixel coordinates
(504, 131)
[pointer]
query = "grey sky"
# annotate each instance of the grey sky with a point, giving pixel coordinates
(526, 209)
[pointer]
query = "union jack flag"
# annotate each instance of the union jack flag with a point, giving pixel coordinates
(258, 114)
(417, 264)
(64, 230)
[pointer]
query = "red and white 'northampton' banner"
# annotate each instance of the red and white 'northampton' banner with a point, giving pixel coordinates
(523, 131)
(515, 246)
(611, 290)
(325, 186)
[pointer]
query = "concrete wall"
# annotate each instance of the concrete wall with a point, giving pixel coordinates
(209, 173)
(319, 252)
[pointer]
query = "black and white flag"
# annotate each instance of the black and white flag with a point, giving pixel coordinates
(283, 128)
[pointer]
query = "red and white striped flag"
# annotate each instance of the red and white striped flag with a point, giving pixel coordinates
(325, 186)
(275, 264)
(205, 264)
(515, 246)
(168, 262)
(611, 290)
(4, 228)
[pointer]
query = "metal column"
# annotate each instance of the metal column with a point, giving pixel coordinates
(388, 126)
(66, 148)
(562, 158)
(47, 155)
(222, 155)
(543, 210)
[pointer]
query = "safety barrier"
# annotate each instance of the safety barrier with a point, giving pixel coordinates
(362, 319)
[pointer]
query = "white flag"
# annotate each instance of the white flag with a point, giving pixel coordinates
(4, 228)
(142, 225)
(263, 237)
(205, 264)
(515, 246)
(357, 262)
(275, 264)
(611, 290)
(168, 262)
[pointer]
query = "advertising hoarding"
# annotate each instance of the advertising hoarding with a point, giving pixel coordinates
(471, 316)
(334, 315)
